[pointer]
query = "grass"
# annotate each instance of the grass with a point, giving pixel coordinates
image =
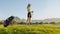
(30, 29)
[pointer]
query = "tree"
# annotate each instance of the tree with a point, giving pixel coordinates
(41, 23)
(46, 23)
(36, 22)
(52, 22)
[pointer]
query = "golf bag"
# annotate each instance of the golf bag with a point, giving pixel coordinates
(8, 21)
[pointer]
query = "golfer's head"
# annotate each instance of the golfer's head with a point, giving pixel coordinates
(29, 4)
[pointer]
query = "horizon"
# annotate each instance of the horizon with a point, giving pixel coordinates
(43, 9)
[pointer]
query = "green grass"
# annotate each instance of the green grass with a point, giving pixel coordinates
(30, 29)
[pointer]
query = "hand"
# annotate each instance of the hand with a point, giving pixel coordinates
(32, 11)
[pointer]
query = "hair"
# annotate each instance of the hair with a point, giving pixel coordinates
(29, 5)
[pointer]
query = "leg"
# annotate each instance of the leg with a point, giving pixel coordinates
(29, 20)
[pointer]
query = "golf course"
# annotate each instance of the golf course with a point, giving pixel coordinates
(30, 29)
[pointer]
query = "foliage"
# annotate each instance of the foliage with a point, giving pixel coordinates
(52, 22)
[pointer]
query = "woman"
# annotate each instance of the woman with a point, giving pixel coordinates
(29, 14)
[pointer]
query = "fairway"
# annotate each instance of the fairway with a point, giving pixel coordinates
(30, 29)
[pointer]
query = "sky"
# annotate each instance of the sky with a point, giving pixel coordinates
(43, 9)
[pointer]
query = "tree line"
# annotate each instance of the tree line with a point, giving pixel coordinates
(14, 22)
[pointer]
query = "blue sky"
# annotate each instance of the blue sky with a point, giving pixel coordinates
(42, 8)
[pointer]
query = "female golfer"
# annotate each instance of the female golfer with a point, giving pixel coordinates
(29, 14)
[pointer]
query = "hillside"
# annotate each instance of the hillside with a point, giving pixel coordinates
(48, 20)
(17, 19)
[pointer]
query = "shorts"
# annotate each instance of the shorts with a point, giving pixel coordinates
(29, 15)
